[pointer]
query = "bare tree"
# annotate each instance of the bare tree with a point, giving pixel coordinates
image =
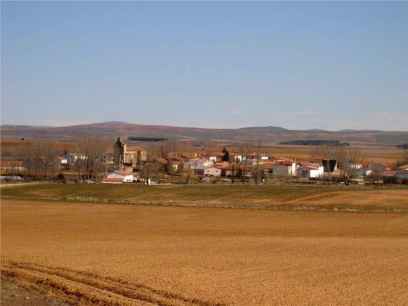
(168, 148)
(347, 158)
(188, 174)
(151, 170)
(404, 158)
(324, 152)
(244, 150)
(257, 171)
(377, 173)
(90, 158)
(40, 159)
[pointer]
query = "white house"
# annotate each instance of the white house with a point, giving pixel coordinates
(311, 170)
(284, 168)
(212, 171)
(198, 165)
(77, 156)
(213, 158)
(64, 163)
(356, 166)
(238, 158)
(317, 172)
(114, 178)
(128, 178)
(118, 178)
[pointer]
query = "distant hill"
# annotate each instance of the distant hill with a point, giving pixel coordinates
(267, 135)
(315, 142)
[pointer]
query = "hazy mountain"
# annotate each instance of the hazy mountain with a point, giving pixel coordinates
(266, 134)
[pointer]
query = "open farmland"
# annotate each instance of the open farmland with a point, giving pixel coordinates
(276, 197)
(144, 255)
(384, 154)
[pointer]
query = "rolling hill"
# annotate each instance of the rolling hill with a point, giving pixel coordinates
(266, 134)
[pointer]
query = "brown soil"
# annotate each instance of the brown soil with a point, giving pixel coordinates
(132, 255)
(16, 294)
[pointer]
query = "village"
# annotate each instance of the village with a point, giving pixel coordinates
(152, 161)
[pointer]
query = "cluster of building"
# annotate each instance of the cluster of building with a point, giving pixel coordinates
(130, 162)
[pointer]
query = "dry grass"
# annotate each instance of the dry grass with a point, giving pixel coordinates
(277, 197)
(387, 155)
(202, 256)
(357, 198)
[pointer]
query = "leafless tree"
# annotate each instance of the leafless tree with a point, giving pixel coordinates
(171, 148)
(151, 170)
(257, 171)
(90, 158)
(377, 173)
(40, 159)
(188, 174)
(347, 157)
(404, 158)
(245, 150)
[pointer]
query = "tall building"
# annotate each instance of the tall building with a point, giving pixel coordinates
(128, 154)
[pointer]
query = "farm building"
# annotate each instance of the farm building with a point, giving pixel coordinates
(198, 165)
(284, 168)
(11, 167)
(212, 171)
(310, 170)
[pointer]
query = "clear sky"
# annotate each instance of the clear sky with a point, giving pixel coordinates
(296, 65)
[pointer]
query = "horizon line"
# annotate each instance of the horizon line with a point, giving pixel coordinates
(193, 127)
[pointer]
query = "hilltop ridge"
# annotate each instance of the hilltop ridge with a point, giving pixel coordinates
(265, 134)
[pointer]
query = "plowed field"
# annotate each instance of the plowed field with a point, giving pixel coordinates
(138, 255)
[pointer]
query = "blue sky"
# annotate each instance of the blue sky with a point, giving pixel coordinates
(206, 64)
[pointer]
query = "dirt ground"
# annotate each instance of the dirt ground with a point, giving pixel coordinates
(13, 293)
(139, 255)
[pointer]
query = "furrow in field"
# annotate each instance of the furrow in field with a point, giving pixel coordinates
(72, 292)
(95, 289)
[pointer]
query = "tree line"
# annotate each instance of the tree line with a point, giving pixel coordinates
(42, 158)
